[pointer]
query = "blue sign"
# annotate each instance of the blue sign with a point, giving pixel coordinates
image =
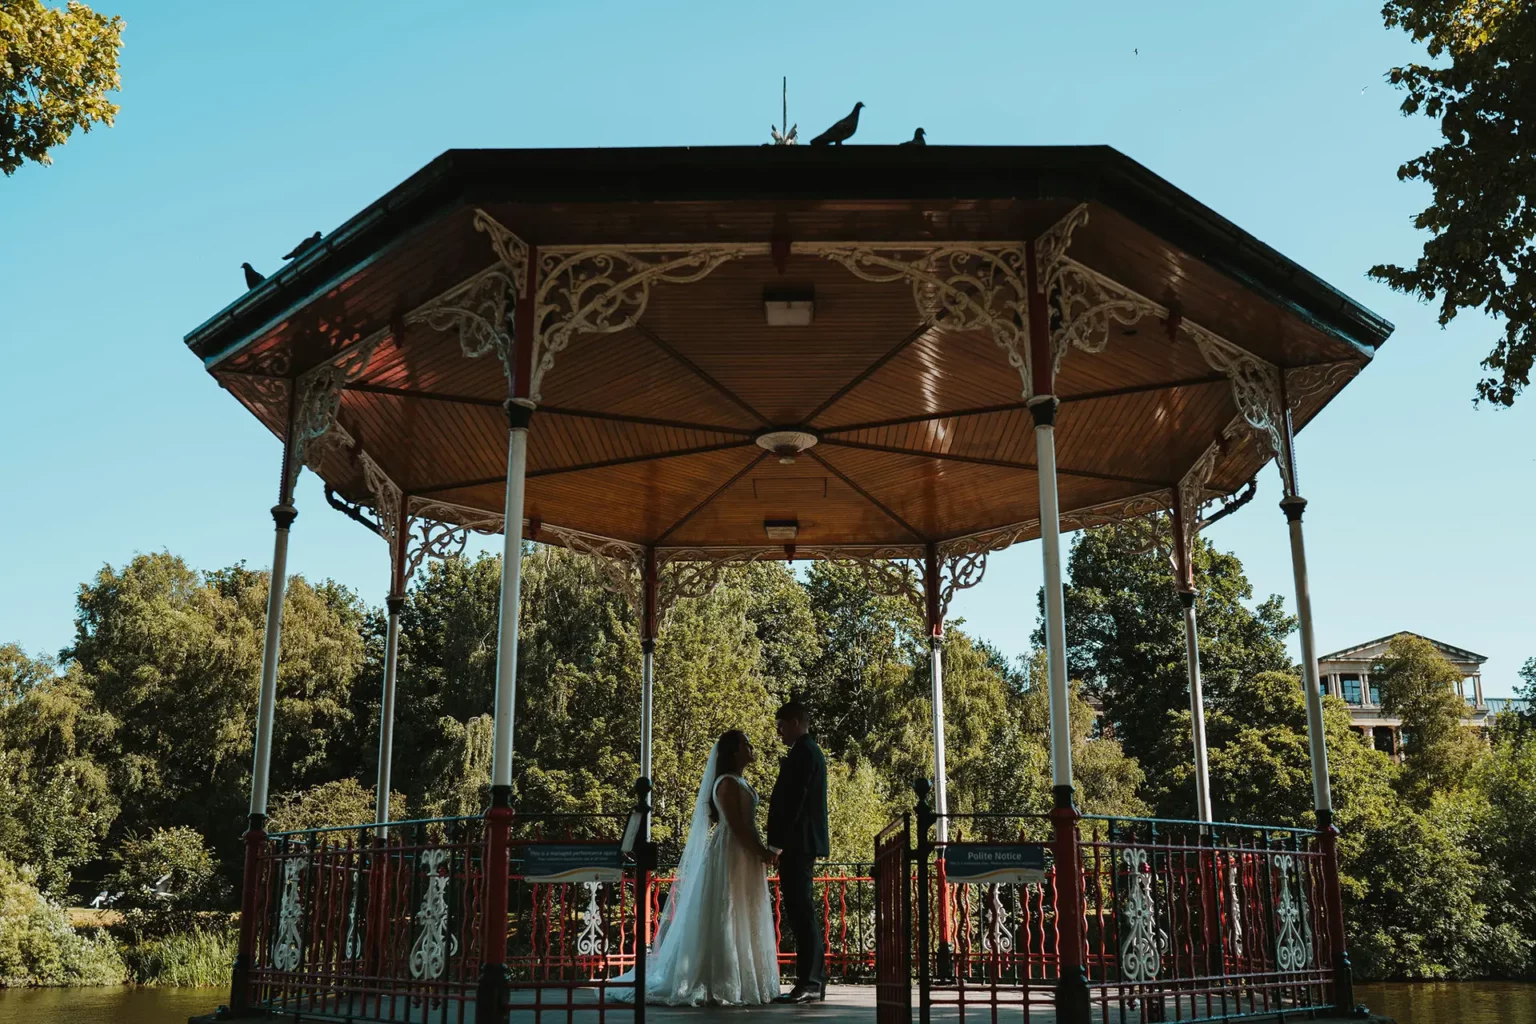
(990, 863)
(573, 862)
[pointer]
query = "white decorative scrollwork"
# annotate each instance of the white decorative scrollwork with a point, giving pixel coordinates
(1293, 939)
(387, 501)
(354, 943)
(1121, 511)
(442, 530)
(288, 945)
(957, 286)
(1084, 304)
(998, 936)
(605, 289)
(1255, 386)
(314, 428)
(592, 941)
(1140, 959)
(1305, 382)
(1234, 913)
(510, 249)
(1051, 247)
(622, 565)
(429, 954)
(478, 310)
(960, 570)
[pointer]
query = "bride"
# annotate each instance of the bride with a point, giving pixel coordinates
(715, 943)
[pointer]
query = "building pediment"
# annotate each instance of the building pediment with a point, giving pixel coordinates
(1373, 649)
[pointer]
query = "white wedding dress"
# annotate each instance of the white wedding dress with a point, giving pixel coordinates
(715, 942)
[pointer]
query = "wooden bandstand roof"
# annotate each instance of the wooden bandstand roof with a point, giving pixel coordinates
(645, 432)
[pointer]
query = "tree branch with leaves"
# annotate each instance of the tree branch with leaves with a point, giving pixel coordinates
(1482, 218)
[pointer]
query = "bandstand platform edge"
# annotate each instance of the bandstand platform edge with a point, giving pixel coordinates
(845, 1004)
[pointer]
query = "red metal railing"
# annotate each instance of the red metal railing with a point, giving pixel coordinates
(1176, 922)
(1189, 922)
(348, 923)
(893, 923)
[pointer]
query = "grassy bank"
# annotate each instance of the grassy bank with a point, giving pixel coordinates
(44, 944)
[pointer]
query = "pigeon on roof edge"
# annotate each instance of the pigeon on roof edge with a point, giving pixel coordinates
(842, 130)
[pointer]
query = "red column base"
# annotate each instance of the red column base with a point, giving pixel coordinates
(1072, 1004)
(241, 998)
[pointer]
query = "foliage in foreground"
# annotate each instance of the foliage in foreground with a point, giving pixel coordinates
(56, 68)
(37, 944)
(1482, 217)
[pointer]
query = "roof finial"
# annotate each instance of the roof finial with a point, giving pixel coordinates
(782, 135)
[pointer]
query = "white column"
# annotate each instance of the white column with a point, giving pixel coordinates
(387, 711)
(518, 416)
(940, 770)
(1322, 796)
(1044, 410)
(1196, 708)
(283, 515)
(647, 695)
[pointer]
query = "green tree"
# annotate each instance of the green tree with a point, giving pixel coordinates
(174, 657)
(1482, 215)
(56, 804)
(869, 644)
(37, 944)
(167, 869)
(56, 68)
(1125, 641)
(1418, 686)
(328, 805)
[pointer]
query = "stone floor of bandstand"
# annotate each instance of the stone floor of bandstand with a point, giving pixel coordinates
(844, 1003)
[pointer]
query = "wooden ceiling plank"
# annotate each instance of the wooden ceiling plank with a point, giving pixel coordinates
(743, 471)
(869, 497)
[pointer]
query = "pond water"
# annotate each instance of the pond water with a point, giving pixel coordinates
(1464, 1002)
(117, 1004)
(1479, 1002)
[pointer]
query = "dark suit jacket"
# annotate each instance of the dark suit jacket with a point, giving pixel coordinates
(797, 810)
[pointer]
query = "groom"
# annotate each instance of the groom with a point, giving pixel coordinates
(797, 832)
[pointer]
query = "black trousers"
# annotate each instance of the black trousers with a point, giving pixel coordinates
(796, 874)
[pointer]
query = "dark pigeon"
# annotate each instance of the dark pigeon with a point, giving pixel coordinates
(253, 277)
(304, 246)
(916, 139)
(843, 130)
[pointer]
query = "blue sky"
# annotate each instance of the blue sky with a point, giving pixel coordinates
(241, 132)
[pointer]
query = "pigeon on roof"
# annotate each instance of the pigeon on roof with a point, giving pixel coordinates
(253, 277)
(841, 131)
(916, 139)
(304, 246)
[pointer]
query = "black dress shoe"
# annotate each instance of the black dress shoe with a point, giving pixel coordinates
(801, 994)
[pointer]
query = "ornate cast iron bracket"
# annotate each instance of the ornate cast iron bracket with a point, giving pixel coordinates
(622, 565)
(957, 286)
(1084, 304)
(1304, 382)
(315, 429)
(479, 310)
(606, 289)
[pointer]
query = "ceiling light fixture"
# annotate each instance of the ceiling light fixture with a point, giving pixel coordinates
(781, 529)
(786, 444)
(795, 308)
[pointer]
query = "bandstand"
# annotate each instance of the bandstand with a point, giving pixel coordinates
(680, 360)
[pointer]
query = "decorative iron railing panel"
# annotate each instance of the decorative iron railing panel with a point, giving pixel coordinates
(1190, 922)
(354, 924)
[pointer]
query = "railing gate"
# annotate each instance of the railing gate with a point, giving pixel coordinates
(893, 923)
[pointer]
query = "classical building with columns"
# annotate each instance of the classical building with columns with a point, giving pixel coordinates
(1346, 674)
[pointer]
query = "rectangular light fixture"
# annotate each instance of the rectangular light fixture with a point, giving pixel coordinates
(789, 308)
(781, 529)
